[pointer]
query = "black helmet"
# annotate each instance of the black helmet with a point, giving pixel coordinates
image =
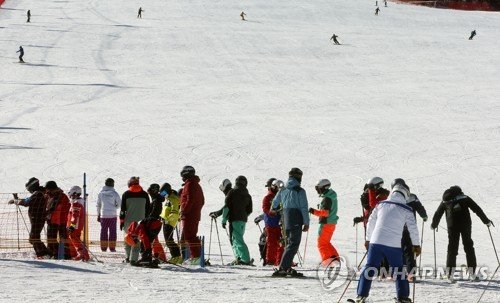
(241, 181)
(269, 182)
(33, 184)
(50, 185)
(109, 182)
(187, 172)
(295, 173)
(399, 181)
(153, 188)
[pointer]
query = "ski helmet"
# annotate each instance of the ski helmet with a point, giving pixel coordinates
(269, 182)
(295, 173)
(322, 186)
(133, 181)
(278, 184)
(241, 181)
(153, 188)
(402, 190)
(109, 182)
(32, 184)
(187, 172)
(376, 182)
(75, 191)
(225, 184)
(51, 185)
(400, 182)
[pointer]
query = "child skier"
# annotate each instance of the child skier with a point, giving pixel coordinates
(170, 217)
(456, 205)
(238, 206)
(75, 224)
(328, 218)
(274, 249)
(383, 238)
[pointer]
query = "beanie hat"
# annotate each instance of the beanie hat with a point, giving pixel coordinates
(50, 185)
(133, 181)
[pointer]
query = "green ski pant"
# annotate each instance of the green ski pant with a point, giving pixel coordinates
(240, 249)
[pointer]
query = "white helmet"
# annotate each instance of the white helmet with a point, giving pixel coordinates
(278, 184)
(377, 182)
(402, 190)
(224, 184)
(75, 191)
(323, 185)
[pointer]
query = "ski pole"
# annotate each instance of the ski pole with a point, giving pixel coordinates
(487, 285)
(260, 228)
(352, 278)
(435, 261)
(218, 239)
(421, 243)
(414, 284)
(305, 247)
(356, 243)
(210, 238)
(493, 242)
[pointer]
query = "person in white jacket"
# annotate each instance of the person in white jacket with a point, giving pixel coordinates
(383, 239)
(108, 203)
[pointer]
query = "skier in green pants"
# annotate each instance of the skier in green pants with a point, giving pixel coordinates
(238, 206)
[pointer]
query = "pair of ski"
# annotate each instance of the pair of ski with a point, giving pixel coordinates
(396, 300)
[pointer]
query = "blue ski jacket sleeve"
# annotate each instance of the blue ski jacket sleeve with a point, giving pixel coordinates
(293, 196)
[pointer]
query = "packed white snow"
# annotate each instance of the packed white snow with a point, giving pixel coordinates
(103, 92)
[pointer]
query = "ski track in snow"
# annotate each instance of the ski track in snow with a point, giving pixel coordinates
(102, 92)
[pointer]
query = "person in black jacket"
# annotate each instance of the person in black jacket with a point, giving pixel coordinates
(406, 244)
(456, 205)
(36, 213)
(150, 227)
(236, 210)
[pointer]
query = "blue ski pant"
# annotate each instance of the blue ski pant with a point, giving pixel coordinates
(394, 255)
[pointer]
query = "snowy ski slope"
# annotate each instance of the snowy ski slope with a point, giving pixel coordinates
(102, 92)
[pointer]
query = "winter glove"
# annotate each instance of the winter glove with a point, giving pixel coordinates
(433, 227)
(258, 219)
(367, 244)
(490, 223)
(122, 225)
(305, 228)
(425, 219)
(357, 220)
(417, 250)
(71, 228)
(213, 215)
(12, 202)
(311, 210)
(99, 219)
(224, 225)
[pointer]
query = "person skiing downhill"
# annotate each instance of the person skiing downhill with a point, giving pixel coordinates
(139, 13)
(472, 35)
(328, 218)
(456, 205)
(170, 216)
(192, 201)
(242, 15)
(293, 200)
(28, 15)
(75, 225)
(238, 206)
(21, 54)
(134, 207)
(108, 203)
(274, 249)
(383, 238)
(36, 213)
(376, 11)
(334, 38)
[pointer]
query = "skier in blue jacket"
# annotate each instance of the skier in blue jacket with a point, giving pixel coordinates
(293, 200)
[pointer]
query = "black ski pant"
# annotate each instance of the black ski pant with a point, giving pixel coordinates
(168, 233)
(293, 237)
(408, 255)
(53, 231)
(36, 229)
(453, 242)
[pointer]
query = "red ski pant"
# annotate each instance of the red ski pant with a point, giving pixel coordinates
(189, 238)
(77, 244)
(274, 250)
(148, 231)
(326, 249)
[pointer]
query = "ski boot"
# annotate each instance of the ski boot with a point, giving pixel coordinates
(293, 273)
(279, 273)
(175, 260)
(402, 300)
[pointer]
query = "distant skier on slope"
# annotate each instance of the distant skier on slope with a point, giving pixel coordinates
(28, 14)
(383, 239)
(334, 38)
(376, 11)
(456, 205)
(242, 15)
(472, 35)
(139, 13)
(21, 54)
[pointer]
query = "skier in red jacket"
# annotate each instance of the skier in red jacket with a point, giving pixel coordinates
(192, 201)
(75, 224)
(274, 249)
(57, 213)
